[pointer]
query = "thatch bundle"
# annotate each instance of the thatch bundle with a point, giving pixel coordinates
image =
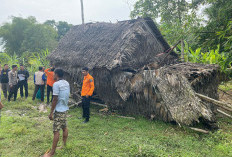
(124, 59)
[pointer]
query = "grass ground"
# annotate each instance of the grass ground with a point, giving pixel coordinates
(24, 132)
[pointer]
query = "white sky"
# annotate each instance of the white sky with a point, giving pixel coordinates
(67, 10)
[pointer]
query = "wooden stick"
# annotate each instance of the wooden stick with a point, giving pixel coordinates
(169, 52)
(216, 102)
(225, 114)
(126, 117)
(200, 130)
(98, 104)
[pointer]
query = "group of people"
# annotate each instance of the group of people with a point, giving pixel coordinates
(11, 80)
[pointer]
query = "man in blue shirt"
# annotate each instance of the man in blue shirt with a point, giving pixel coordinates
(61, 91)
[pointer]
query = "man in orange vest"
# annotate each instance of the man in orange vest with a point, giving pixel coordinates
(50, 81)
(86, 93)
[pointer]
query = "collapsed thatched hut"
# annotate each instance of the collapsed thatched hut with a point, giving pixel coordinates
(124, 59)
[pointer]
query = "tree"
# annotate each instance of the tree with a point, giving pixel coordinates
(177, 17)
(12, 34)
(219, 13)
(22, 35)
(62, 27)
(39, 37)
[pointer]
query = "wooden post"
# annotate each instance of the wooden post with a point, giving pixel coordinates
(82, 12)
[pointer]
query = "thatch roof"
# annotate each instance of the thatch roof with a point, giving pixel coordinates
(126, 44)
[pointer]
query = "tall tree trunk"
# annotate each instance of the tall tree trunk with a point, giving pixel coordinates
(82, 12)
(182, 50)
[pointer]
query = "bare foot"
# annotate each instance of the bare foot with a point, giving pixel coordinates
(48, 155)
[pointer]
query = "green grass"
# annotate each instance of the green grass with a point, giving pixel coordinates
(226, 86)
(24, 132)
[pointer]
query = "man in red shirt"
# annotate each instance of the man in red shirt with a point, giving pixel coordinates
(50, 81)
(86, 93)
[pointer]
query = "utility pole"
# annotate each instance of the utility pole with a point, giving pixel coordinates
(82, 12)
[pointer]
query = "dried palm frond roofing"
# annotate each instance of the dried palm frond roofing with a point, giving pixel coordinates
(127, 44)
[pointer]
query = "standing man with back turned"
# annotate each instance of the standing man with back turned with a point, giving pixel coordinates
(86, 93)
(50, 81)
(23, 76)
(39, 80)
(61, 92)
(13, 82)
(5, 80)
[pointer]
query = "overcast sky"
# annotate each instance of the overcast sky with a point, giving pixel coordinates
(67, 10)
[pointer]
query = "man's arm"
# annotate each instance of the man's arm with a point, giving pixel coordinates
(90, 93)
(54, 102)
(47, 70)
(27, 74)
(10, 79)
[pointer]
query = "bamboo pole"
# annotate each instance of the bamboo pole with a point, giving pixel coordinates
(200, 130)
(216, 102)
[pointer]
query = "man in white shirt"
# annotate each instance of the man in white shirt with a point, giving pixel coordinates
(61, 92)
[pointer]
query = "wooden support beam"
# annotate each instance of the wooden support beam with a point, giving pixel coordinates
(221, 104)
(225, 114)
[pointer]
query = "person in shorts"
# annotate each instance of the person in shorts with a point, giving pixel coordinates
(1, 106)
(61, 92)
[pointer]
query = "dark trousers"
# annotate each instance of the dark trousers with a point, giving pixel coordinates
(49, 90)
(13, 91)
(85, 107)
(5, 89)
(37, 87)
(24, 84)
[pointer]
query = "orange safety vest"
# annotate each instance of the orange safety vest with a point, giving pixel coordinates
(50, 77)
(88, 86)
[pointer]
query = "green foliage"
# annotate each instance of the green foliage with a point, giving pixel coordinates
(219, 14)
(7, 59)
(32, 61)
(27, 35)
(13, 35)
(62, 27)
(38, 59)
(224, 60)
(177, 17)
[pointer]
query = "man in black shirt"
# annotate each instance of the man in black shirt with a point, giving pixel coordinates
(5, 80)
(23, 76)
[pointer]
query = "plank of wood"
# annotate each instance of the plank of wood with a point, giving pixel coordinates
(223, 113)
(221, 104)
(199, 130)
